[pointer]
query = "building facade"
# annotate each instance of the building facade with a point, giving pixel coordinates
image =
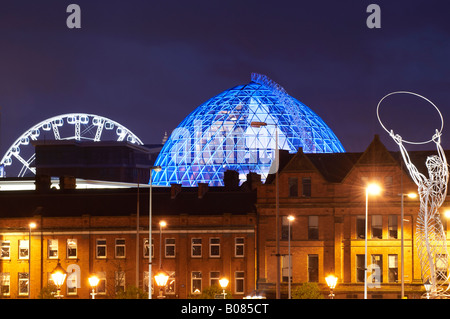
(326, 193)
(90, 232)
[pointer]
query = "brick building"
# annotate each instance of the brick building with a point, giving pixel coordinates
(209, 234)
(222, 231)
(326, 194)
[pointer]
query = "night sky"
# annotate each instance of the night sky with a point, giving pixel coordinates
(148, 64)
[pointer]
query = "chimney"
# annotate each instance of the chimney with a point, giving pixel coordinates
(202, 189)
(175, 189)
(253, 180)
(42, 183)
(231, 180)
(67, 182)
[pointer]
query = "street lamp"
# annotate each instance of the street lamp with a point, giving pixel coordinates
(277, 205)
(290, 219)
(93, 282)
(161, 280)
(223, 282)
(371, 189)
(58, 276)
(30, 227)
(161, 225)
(427, 286)
(331, 282)
(156, 169)
(402, 267)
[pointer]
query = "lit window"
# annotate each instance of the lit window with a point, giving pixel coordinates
(101, 248)
(196, 282)
(23, 249)
(214, 247)
(196, 247)
(5, 283)
(393, 268)
(23, 284)
(120, 248)
(5, 252)
(170, 286)
(101, 287)
(146, 249)
(393, 227)
(71, 248)
(53, 248)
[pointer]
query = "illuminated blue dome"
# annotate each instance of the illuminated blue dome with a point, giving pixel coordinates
(217, 135)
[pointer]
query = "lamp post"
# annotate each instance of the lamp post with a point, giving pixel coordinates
(427, 286)
(223, 282)
(161, 280)
(372, 189)
(290, 219)
(30, 227)
(161, 225)
(93, 282)
(156, 169)
(331, 282)
(402, 252)
(58, 276)
(277, 205)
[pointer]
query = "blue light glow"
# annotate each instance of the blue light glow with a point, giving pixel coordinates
(217, 135)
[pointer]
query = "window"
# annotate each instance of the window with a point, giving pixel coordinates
(239, 282)
(101, 287)
(286, 228)
(306, 187)
(23, 284)
(6, 246)
(360, 268)
(52, 248)
(146, 248)
(23, 249)
(313, 227)
(5, 283)
(393, 268)
(377, 269)
(71, 248)
(101, 248)
(214, 247)
(170, 248)
(293, 186)
(120, 248)
(360, 227)
(313, 268)
(239, 247)
(285, 268)
(196, 282)
(196, 247)
(170, 286)
(377, 226)
(393, 227)
(214, 277)
(119, 281)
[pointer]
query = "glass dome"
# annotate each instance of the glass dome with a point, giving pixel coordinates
(218, 136)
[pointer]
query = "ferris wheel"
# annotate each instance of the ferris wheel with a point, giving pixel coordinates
(19, 158)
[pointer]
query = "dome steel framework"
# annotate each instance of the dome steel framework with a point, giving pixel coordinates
(217, 135)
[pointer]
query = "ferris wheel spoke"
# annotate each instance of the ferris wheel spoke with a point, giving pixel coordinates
(56, 131)
(98, 133)
(77, 131)
(25, 163)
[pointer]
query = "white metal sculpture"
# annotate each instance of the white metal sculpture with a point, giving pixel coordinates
(19, 158)
(430, 235)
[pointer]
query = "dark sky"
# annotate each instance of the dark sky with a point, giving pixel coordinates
(148, 64)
